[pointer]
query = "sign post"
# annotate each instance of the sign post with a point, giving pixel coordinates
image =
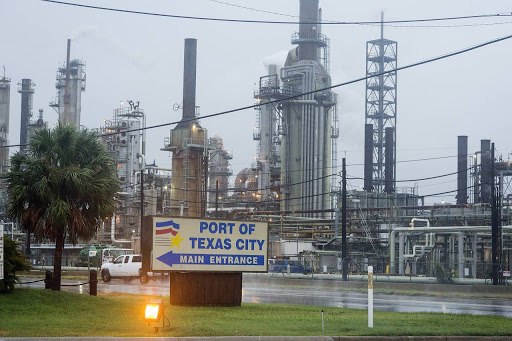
(370, 297)
(1, 251)
(205, 258)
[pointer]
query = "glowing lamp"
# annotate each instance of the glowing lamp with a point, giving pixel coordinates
(154, 310)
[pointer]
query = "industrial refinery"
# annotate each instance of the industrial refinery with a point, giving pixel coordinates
(297, 181)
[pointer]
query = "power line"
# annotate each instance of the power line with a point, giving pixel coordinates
(385, 23)
(175, 16)
(255, 9)
(237, 189)
(421, 179)
(414, 160)
(427, 61)
(362, 164)
(325, 193)
(417, 195)
(451, 26)
(437, 183)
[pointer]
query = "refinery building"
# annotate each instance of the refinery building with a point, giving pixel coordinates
(296, 180)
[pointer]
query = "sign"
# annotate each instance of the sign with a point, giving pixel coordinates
(92, 253)
(182, 244)
(1, 251)
(506, 273)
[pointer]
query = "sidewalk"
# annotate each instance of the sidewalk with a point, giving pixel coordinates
(275, 338)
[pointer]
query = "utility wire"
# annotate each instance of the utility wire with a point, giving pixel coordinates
(362, 196)
(255, 9)
(427, 61)
(111, 9)
(437, 183)
(385, 24)
(421, 179)
(451, 26)
(325, 193)
(417, 195)
(237, 189)
(276, 201)
(362, 164)
(414, 160)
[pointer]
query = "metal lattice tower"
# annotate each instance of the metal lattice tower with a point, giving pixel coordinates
(381, 95)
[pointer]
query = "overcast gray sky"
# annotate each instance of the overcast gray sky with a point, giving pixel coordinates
(141, 58)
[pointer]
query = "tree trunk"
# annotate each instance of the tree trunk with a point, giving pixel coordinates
(57, 260)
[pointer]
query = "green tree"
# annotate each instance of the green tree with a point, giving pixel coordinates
(442, 275)
(62, 187)
(13, 262)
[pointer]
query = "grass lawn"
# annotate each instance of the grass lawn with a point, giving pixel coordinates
(38, 312)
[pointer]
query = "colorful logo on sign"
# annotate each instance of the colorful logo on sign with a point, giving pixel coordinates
(166, 227)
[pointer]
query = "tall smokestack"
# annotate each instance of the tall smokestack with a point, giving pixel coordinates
(308, 33)
(26, 91)
(187, 143)
(189, 84)
(462, 170)
(389, 170)
(368, 157)
(485, 171)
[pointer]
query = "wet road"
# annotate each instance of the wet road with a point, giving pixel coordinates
(262, 293)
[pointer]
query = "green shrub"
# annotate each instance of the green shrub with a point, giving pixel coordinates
(13, 262)
(442, 275)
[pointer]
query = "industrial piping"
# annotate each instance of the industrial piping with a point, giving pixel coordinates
(438, 229)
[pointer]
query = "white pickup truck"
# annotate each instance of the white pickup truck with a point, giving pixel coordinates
(127, 267)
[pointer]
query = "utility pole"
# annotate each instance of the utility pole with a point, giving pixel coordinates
(344, 221)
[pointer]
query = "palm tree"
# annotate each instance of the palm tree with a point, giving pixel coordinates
(63, 187)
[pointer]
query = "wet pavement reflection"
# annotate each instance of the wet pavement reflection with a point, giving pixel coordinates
(263, 293)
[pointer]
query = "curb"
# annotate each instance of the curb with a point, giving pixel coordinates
(273, 338)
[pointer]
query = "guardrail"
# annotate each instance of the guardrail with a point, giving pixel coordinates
(48, 280)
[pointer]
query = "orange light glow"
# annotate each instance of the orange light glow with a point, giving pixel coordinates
(151, 313)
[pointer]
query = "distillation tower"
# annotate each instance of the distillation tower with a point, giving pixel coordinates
(309, 127)
(26, 89)
(266, 132)
(218, 171)
(126, 142)
(188, 144)
(380, 115)
(5, 95)
(76, 85)
(32, 126)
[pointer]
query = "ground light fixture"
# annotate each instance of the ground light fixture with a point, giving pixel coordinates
(154, 312)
